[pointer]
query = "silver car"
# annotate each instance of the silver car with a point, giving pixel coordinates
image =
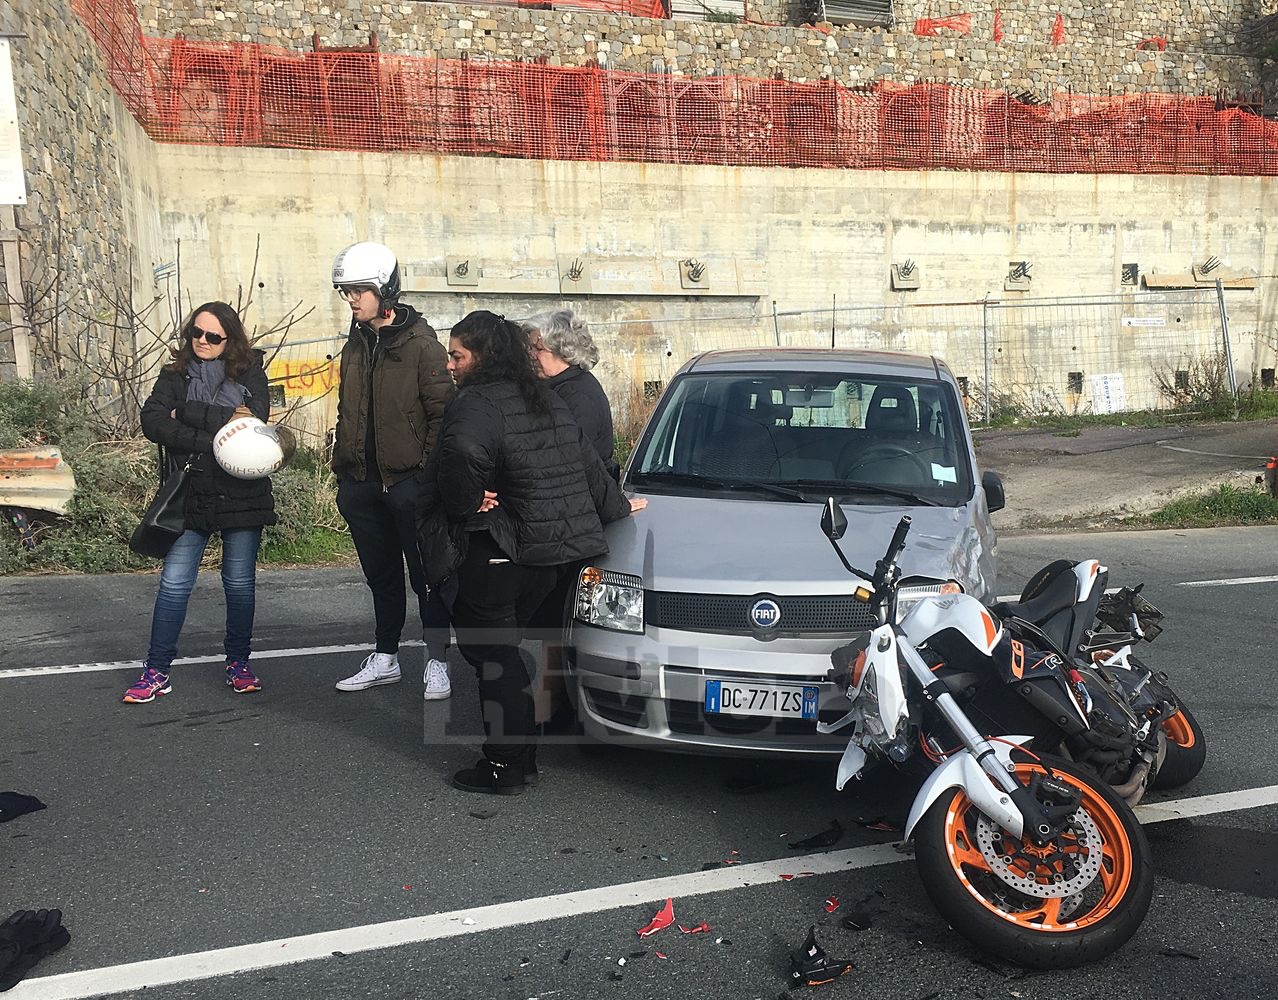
(709, 624)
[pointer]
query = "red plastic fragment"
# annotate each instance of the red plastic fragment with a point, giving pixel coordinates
(663, 919)
(831, 904)
(883, 826)
(661, 955)
(701, 928)
(786, 878)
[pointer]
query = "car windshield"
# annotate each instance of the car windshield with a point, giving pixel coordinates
(866, 438)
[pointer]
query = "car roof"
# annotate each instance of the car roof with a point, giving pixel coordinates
(783, 359)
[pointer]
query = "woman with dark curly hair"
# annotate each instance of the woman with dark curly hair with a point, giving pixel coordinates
(507, 433)
(215, 376)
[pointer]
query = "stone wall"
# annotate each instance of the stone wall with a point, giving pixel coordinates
(1099, 54)
(90, 215)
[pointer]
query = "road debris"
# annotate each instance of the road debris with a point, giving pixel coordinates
(826, 838)
(831, 904)
(663, 919)
(811, 966)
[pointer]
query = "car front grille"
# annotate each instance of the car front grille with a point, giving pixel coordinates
(730, 613)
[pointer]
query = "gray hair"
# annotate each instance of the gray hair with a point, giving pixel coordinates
(566, 335)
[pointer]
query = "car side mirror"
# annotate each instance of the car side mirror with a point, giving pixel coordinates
(993, 487)
(833, 521)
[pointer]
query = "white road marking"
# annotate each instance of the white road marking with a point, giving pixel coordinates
(455, 923)
(262, 654)
(1235, 581)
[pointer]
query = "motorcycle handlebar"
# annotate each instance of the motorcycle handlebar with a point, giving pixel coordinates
(898, 539)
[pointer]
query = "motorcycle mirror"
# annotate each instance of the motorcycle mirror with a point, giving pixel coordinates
(833, 521)
(992, 484)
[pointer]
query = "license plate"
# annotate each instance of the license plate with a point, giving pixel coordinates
(781, 701)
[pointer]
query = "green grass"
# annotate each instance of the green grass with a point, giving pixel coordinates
(1225, 505)
(316, 547)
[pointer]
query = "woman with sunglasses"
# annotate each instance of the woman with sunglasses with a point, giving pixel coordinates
(216, 376)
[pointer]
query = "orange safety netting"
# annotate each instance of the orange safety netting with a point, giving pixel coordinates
(927, 27)
(234, 94)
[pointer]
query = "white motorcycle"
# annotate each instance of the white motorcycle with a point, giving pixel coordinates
(1029, 857)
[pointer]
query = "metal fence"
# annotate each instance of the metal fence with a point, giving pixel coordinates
(1029, 356)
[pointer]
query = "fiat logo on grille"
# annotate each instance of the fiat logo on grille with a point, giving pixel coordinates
(765, 613)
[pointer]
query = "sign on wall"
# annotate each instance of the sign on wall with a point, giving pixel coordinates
(13, 187)
(1108, 395)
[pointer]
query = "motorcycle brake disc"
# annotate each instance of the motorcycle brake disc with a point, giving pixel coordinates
(1007, 862)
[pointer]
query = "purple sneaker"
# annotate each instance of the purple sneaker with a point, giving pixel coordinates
(146, 687)
(240, 678)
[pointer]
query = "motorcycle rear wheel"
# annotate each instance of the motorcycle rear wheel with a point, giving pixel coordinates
(1186, 750)
(995, 890)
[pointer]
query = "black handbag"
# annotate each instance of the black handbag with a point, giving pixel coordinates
(165, 517)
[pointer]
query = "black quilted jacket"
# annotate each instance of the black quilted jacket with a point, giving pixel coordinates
(216, 500)
(555, 494)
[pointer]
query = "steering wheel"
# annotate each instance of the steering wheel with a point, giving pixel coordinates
(889, 453)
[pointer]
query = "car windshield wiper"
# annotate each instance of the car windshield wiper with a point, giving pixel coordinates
(721, 484)
(837, 486)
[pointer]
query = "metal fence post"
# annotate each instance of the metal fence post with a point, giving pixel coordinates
(1229, 351)
(985, 338)
(776, 323)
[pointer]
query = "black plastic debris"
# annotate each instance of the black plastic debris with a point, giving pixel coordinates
(483, 813)
(826, 838)
(811, 966)
(564, 959)
(567, 850)
(616, 976)
(1178, 953)
(15, 804)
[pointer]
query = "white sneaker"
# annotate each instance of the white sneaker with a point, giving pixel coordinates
(436, 681)
(377, 668)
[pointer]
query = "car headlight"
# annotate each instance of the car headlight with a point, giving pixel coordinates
(907, 597)
(610, 600)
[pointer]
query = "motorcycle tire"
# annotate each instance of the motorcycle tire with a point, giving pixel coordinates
(1186, 751)
(981, 891)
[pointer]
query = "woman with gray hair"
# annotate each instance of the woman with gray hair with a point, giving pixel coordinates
(565, 352)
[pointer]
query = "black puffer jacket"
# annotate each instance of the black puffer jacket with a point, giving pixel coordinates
(554, 493)
(589, 404)
(216, 500)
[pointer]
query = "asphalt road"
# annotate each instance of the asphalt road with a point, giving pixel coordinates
(208, 820)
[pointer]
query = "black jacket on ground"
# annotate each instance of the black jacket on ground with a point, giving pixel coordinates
(554, 493)
(216, 500)
(589, 405)
(403, 370)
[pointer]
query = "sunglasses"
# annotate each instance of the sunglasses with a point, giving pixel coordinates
(209, 338)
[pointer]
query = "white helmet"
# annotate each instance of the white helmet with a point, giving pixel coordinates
(368, 264)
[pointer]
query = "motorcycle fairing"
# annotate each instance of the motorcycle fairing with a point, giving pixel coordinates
(963, 771)
(959, 612)
(1017, 661)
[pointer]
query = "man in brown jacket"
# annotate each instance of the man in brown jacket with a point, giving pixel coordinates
(390, 405)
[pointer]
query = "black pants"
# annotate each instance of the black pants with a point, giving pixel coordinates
(495, 601)
(384, 530)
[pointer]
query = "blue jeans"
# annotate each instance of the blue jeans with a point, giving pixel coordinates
(181, 566)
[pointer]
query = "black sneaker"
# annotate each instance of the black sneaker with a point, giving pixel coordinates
(491, 778)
